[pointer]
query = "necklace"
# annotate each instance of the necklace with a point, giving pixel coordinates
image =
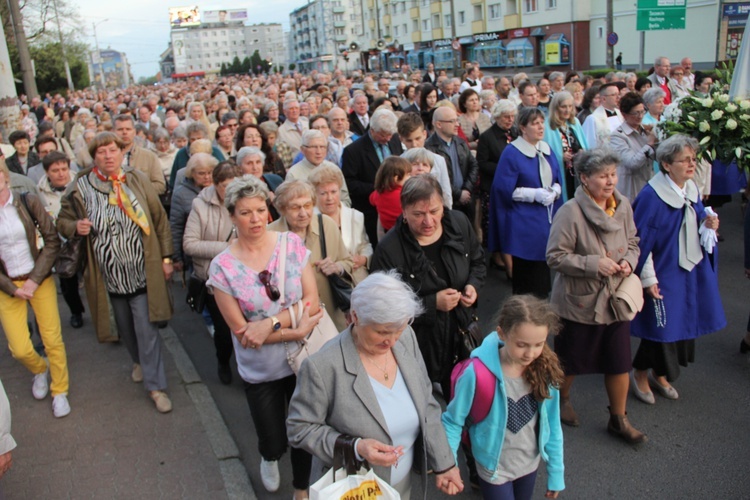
(382, 369)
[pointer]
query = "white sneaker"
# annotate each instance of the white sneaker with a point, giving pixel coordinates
(40, 387)
(269, 473)
(60, 405)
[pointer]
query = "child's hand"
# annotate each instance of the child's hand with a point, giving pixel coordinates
(551, 494)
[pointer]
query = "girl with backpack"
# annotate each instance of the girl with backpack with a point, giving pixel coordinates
(507, 396)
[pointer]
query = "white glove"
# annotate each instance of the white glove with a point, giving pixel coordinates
(525, 195)
(545, 196)
(557, 189)
(708, 236)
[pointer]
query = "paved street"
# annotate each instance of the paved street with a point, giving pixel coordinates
(115, 445)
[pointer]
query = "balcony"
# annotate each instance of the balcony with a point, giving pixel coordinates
(371, 24)
(437, 33)
(512, 22)
(339, 24)
(340, 38)
(437, 7)
(414, 12)
(370, 4)
(416, 36)
(478, 26)
(477, 2)
(386, 20)
(339, 10)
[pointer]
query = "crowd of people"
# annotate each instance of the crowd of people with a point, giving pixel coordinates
(375, 205)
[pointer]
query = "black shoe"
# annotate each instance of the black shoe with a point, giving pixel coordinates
(76, 321)
(225, 374)
(744, 347)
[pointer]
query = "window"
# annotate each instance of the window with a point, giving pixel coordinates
(495, 11)
(600, 32)
(352, 17)
(223, 33)
(393, 8)
(403, 7)
(406, 29)
(205, 44)
(395, 30)
(354, 31)
(425, 3)
(231, 32)
(448, 20)
(462, 18)
(529, 6)
(436, 20)
(415, 25)
(224, 43)
(478, 14)
(551, 4)
(205, 34)
(425, 25)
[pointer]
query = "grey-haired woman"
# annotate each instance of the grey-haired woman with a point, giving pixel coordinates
(246, 281)
(592, 242)
(370, 385)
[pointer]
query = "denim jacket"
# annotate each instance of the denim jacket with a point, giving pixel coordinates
(487, 436)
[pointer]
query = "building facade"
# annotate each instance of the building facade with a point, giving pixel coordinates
(326, 35)
(505, 34)
(203, 48)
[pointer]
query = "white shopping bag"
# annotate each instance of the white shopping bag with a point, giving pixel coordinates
(365, 486)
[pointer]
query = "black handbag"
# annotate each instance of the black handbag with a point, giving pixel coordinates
(196, 294)
(340, 288)
(471, 336)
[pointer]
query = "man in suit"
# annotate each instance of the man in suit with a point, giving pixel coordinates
(361, 161)
(447, 89)
(430, 76)
(660, 77)
(462, 166)
(359, 118)
(137, 157)
(290, 132)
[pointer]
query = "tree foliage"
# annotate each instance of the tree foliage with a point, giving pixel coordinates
(259, 65)
(42, 35)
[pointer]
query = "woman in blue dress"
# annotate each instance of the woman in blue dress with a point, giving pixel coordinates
(525, 195)
(678, 268)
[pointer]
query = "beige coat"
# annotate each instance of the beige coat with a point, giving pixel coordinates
(148, 163)
(206, 231)
(574, 248)
(336, 251)
(156, 245)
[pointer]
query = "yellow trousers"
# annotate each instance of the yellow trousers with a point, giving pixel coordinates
(14, 317)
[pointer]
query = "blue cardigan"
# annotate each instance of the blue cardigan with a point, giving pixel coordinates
(488, 435)
(552, 137)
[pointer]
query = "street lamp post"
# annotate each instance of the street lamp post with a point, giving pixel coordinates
(71, 87)
(99, 53)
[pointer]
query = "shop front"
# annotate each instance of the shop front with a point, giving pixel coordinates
(556, 50)
(442, 54)
(488, 50)
(519, 50)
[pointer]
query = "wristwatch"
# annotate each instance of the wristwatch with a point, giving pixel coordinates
(166, 260)
(275, 323)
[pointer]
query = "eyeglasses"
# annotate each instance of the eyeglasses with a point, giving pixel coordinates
(637, 113)
(449, 121)
(271, 290)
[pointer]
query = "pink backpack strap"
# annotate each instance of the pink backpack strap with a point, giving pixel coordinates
(484, 393)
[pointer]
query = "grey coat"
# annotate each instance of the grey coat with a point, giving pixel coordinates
(574, 248)
(334, 396)
(636, 165)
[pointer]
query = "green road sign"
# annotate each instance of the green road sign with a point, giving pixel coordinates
(661, 15)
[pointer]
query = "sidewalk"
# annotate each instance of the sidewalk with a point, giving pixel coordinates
(114, 444)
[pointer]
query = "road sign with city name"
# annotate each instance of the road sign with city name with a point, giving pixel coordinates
(661, 15)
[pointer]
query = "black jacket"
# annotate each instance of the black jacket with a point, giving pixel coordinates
(463, 258)
(359, 164)
(355, 125)
(468, 164)
(426, 78)
(491, 144)
(15, 166)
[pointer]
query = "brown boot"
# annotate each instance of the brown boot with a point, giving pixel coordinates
(568, 415)
(619, 425)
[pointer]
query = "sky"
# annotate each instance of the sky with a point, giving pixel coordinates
(140, 28)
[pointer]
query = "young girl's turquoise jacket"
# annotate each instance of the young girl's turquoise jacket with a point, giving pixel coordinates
(488, 435)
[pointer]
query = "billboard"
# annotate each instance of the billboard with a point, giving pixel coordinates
(183, 17)
(113, 66)
(224, 16)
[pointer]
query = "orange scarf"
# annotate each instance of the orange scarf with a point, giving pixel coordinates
(121, 196)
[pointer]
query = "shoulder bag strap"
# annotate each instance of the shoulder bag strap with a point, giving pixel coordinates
(322, 236)
(282, 264)
(25, 203)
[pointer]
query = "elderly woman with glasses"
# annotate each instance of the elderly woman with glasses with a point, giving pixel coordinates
(369, 390)
(295, 200)
(564, 134)
(197, 176)
(678, 270)
(636, 147)
(653, 99)
(247, 282)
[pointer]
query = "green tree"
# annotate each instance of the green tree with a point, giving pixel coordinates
(246, 66)
(147, 80)
(292, 66)
(256, 62)
(223, 70)
(50, 70)
(235, 67)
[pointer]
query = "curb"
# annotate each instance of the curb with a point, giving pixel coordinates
(236, 482)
